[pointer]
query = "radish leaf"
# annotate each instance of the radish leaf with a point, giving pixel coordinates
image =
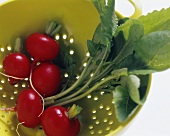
(152, 52)
(156, 21)
(124, 105)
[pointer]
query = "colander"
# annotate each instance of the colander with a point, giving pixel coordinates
(19, 18)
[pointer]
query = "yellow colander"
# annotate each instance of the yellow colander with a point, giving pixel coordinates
(19, 18)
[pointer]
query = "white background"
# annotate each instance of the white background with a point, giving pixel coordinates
(154, 118)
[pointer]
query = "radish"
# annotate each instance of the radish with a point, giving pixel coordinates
(16, 66)
(13, 81)
(28, 108)
(57, 120)
(46, 79)
(41, 47)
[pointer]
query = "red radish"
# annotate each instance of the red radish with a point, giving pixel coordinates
(56, 121)
(41, 47)
(13, 81)
(29, 107)
(16, 65)
(46, 79)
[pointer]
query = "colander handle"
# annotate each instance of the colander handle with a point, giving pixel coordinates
(137, 9)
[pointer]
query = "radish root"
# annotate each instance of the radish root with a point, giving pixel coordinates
(11, 76)
(8, 109)
(18, 127)
(43, 102)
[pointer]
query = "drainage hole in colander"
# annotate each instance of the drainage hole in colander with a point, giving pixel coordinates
(2, 49)
(24, 85)
(3, 116)
(96, 98)
(7, 112)
(16, 85)
(4, 94)
(94, 111)
(100, 132)
(97, 122)
(108, 128)
(8, 122)
(110, 113)
(12, 97)
(111, 122)
(6, 130)
(1, 87)
(13, 128)
(15, 91)
(94, 117)
(91, 127)
(3, 81)
(89, 96)
(3, 105)
(101, 106)
(105, 120)
(92, 132)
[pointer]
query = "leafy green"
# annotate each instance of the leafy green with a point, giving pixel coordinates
(122, 21)
(123, 103)
(127, 30)
(99, 51)
(156, 21)
(150, 53)
(132, 84)
(153, 52)
(108, 24)
(120, 72)
(131, 35)
(92, 48)
(120, 54)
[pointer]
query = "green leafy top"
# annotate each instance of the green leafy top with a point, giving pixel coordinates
(120, 53)
(156, 21)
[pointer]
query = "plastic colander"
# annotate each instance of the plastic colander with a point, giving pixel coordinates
(19, 18)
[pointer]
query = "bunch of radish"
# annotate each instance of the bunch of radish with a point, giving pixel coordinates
(45, 80)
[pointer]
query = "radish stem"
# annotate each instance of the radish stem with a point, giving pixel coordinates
(74, 111)
(89, 81)
(73, 86)
(89, 91)
(18, 45)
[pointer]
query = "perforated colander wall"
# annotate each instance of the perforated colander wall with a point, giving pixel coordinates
(98, 115)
